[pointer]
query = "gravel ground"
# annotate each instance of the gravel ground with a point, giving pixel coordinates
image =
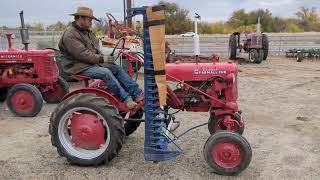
(280, 100)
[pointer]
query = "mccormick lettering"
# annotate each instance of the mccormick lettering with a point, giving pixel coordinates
(209, 71)
(11, 56)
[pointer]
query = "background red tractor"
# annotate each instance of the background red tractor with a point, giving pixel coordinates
(88, 126)
(27, 77)
(255, 44)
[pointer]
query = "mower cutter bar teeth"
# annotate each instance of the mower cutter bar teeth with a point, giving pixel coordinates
(156, 146)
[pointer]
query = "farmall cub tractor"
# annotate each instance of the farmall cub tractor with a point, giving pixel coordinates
(27, 77)
(254, 43)
(90, 125)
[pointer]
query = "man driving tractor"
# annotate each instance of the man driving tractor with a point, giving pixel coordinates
(81, 55)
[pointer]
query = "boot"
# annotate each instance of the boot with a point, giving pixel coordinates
(139, 98)
(131, 104)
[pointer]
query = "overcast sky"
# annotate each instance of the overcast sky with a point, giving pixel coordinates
(51, 11)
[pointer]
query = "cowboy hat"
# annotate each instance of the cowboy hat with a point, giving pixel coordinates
(86, 12)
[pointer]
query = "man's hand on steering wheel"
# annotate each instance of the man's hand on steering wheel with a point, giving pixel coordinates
(109, 59)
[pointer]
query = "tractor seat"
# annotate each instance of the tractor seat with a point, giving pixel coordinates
(85, 79)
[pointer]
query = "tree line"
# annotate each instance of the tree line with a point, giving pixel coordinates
(180, 21)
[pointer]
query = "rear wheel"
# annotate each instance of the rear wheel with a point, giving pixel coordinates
(87, 130)
(24, 100)
(227, 153)
(265, 46)
(3, 94)
(233, 46)
(55, 95)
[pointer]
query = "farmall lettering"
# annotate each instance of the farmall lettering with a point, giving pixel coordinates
(209, 71)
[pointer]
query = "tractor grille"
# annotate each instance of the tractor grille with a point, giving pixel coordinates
(256, 41)
(50, 69)
(235, 86)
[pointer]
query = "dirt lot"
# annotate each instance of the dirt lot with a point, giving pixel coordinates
(281, 103)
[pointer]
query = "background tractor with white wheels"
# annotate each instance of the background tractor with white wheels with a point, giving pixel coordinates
(89, 126)
(27, 77)
(255, 44)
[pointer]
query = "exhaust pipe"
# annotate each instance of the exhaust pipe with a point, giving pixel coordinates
(24, 32)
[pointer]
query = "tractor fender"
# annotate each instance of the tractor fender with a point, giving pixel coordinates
(100, 93)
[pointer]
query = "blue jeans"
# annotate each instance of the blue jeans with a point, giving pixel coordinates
(116, 79)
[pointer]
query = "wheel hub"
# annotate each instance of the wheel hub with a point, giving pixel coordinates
(87, 131)
(227, 154)
(226, 123)
(22, 101)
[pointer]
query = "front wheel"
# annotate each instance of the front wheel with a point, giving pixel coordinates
(227, 153)
(87, 130)
(253, 56)
(24, 100)
(261, 54)
(300, 56)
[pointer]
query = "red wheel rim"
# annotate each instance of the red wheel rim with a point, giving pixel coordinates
(227, 154)
(56, 93)
(22, 101)
(79, 135)
(87, 131)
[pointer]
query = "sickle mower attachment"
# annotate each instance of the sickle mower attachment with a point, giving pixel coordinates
(156, 147)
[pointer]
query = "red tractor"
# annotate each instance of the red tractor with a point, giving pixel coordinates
(29, 76)
(255, 44)
(89, 126)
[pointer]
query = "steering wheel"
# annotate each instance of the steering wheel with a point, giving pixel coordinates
(121, 39)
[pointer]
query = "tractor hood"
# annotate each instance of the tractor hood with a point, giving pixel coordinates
(199, 71)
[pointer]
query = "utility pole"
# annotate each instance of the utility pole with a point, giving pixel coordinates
(124, 12)
(129, 20)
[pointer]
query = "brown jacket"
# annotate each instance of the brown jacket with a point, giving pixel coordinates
(80, 49)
